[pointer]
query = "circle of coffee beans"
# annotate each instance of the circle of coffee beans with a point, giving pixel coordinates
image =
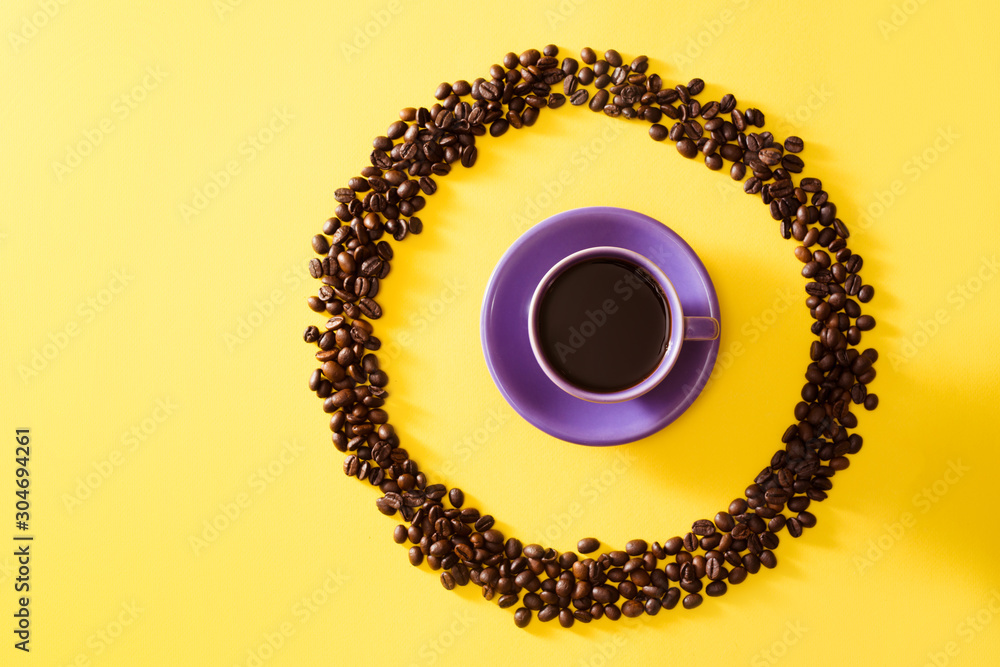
(382, 202)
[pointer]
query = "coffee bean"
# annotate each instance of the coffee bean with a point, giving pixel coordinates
(498, 127)
(579, 97)
(416, 556)
(522, 617)
(599, 100)
(469, 155)
(588, 545)
(703, 527)
(370, 308)
(632, 608)
(548, 612)
(656, 131)
(794, 144)
(692, 600)
(687, 148)
(635, 547)
(865, 323)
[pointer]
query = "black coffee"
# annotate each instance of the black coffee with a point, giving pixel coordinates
(603, 324)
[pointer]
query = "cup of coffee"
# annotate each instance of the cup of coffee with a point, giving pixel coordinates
(606, 325)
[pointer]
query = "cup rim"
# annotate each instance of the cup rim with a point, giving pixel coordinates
(674, 342)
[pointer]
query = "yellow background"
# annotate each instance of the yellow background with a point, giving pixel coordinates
(196, 345)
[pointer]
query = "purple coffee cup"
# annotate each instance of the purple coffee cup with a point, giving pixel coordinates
(681, 328)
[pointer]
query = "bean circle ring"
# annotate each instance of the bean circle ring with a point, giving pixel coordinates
(353, 256)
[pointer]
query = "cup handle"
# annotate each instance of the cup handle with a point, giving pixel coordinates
(701, 328)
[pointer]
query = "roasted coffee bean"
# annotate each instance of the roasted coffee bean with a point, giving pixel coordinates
(692, 600)
(687, 148)
(416, 556)
(794, 144)
(635, 547)
(588, 545)
(865, 323)
(599, 100)
(632, 608)
(548, 612)
(522, 617)
(656, 131)
(703, 527)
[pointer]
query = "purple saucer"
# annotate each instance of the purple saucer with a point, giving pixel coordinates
(504, 326)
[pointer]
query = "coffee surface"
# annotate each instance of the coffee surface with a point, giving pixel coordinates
(603, 324)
